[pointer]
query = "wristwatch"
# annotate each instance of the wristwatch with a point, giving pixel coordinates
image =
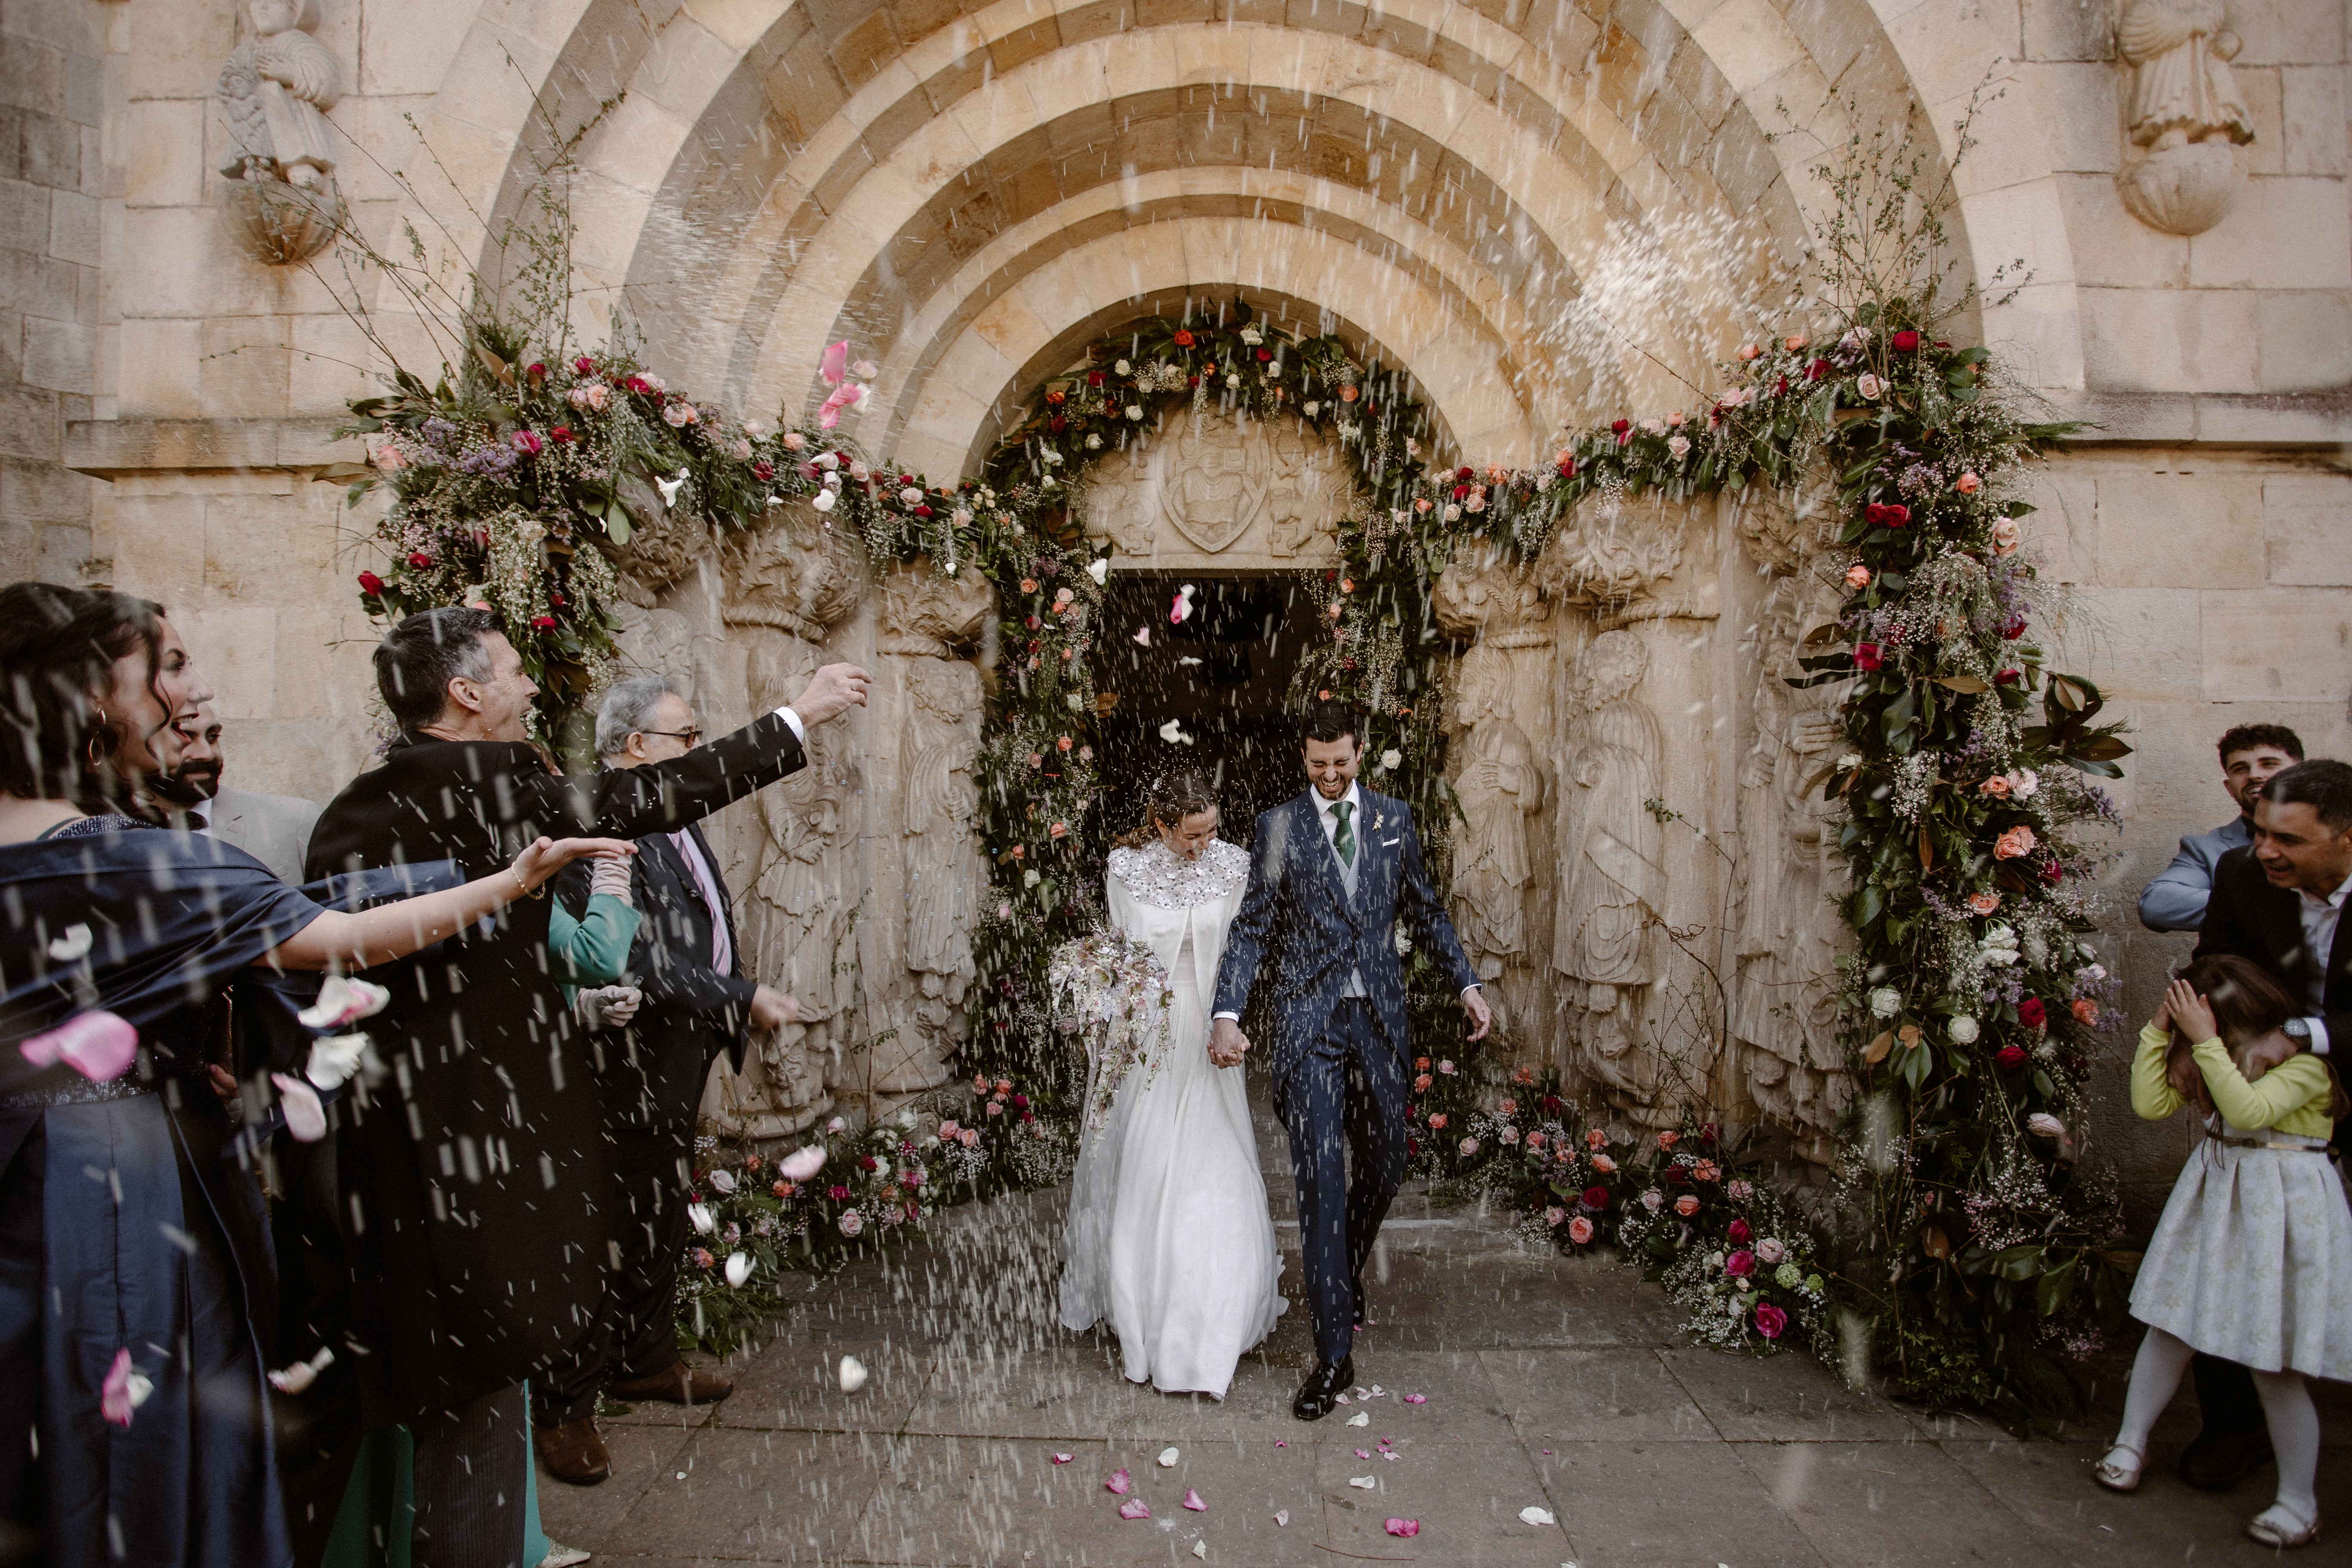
(2300, 1029)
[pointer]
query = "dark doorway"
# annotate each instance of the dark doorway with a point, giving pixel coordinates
(1223, 675)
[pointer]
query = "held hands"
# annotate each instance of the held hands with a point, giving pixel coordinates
(1227, 1043)
(1482, 1017)
(831, 693)
(545, 856)
(772, 1010)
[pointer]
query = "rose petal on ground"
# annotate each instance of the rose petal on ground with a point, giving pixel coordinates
(1193, 1500)
(1343, 1399)
(1361, 1418)
(1282, 1516)
(1062, 1459)
(1362, 1453)
(1405, 1527)
(1367, 1482)
(1119, 1481)
(1416, 1399)
(1201, 1550)
(1167, 1458)
(1133, 1508)
(1534, 1515)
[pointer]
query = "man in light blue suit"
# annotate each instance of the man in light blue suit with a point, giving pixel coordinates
(2250, 755)
(1333, 873)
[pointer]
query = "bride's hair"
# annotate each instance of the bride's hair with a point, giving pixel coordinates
(1174, 796)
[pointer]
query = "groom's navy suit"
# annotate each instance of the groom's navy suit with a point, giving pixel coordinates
(1338, 1062)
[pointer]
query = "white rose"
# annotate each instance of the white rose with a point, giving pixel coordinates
(1121, 366)
(1679, 446)
(822, 500)
(1963, 1030)
(859, 471)
(2023, 782)
(1870, 386)
(1030, 877)
(1390, 758)
(2042, 1124)
(1134, 411)
(911, 496)
(1251, 336)
(1453, 512)
(1885, 1002)
(723, 1180)
(739, 1268)
(1094, 443)
(1849, 760)
(1310, 408)
(826, 461)
(700, 1214)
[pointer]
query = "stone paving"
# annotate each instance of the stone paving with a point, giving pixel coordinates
(1553, 1383)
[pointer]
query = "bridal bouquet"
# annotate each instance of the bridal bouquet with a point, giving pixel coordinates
(1109, 988)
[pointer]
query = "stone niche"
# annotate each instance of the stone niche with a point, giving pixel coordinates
(1211, 493)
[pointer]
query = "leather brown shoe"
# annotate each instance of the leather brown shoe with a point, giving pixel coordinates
(678, 1383)
(573, 1452)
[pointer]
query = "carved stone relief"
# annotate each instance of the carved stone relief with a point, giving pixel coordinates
(275, 89)
(1221, 494)
(2186, 121)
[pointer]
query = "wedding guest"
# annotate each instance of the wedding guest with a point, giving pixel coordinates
(134, 1418)
(272, 828)
(2251, 756)
(698, 1004)
(481, 1215)
(2252, 1260)
(2278, 902)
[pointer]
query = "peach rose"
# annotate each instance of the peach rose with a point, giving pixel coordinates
(1857, 577)
(2013, 844)
(2086, 1011)
(2006, 536)
(1967, 484)
(1686, 1205)
(1983, 903)
(1995, 787)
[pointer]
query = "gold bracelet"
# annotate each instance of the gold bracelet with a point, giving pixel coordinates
(522, 890)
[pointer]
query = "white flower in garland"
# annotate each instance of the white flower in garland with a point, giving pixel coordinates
(1885, 1002)
(1963, 1030)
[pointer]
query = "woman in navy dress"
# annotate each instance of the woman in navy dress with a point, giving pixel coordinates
(135, 1278)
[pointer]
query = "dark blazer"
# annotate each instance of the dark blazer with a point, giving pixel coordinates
(476, 1184)
(2248, 916)
(1297, 914)
(691, 1012)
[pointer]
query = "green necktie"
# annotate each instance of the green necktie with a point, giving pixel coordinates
(1344, 840)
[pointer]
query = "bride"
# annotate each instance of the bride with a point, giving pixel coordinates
(1170, 1239)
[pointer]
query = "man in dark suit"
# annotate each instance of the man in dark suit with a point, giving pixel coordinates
(697, 1004)
(1331, 872)
(2279, 902)
(477, 1187)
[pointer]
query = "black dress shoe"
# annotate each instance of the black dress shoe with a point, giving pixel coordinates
(2220, 1460)
(1320, 1393)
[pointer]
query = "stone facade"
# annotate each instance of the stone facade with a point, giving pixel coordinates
(1549, 211)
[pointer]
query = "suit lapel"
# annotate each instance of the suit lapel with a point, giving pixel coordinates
(726, 899)
(1327, 858)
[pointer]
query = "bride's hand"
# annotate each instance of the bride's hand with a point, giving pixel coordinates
(1227, 1043)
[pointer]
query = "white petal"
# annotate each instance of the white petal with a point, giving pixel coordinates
(1361, 1418)
(700, 1215)
(75, 944)
(1367, 1482)
(1167, 1458)
(852, 1374)
(739, 1268)
(1534, 1515)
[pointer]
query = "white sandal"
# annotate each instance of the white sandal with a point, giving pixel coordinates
(2280, 1527)
(2118, 1477)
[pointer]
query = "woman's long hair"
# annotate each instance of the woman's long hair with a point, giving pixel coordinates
(2248, 1003)
(59, 647)
(1174, 796)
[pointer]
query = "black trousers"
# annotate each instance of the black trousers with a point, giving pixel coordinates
(1343, 1105)
(632, 1334)
(473, 1463)
(2226, 1395)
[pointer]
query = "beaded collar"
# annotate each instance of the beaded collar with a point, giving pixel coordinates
(1156, 878)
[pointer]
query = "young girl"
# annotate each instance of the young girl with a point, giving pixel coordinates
(2252, 1260)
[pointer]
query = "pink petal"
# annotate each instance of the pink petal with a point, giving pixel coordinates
(1193, 1500)
(1282, 1516)
(834, 364)
(1119, 1481)
(1133, 1508)
(1416, 1399)
(1143, 635)
(1280, 1444)
(1364, 1453)
(98, 1046)
(1061, 1458)
(305, 1117)
(801, 1163)
(830, 415)
(114, 1394)
(1405, 1527)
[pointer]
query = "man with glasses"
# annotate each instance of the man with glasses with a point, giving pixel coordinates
(697, 1002)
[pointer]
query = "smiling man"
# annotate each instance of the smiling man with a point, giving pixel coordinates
(2251, 756)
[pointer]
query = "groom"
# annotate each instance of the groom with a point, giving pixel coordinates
(1333, 871)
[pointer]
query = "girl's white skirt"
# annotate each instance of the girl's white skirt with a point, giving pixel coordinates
(2252, 1260)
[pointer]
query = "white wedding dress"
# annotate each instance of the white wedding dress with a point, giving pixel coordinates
(1169, 1240)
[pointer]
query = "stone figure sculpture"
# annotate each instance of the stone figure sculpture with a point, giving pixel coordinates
(1298, 501)
(945, 875)
(1499, 786)
(1612, 882)
(2186, 113)
(276, 87)
(1784, 991)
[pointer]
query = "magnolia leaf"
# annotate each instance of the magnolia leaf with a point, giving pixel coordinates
(2069, 695)
(498, 368)
(340, 473)
(2100, 749)
(1825, 632)
(1926, 848)
(1933, 1244)
(1875, 1052)
(616, 524)
(1967, 685)
(1910, 1036)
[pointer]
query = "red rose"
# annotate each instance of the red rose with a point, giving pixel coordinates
(1678, 1175)
(2009, 1056)
(1739, 1233)
(1192, 380)
(1771, 1321)
(1057, 424)
(1460, 491)
(370, 584)
(1568, 468)
(1817, 369)
(1619, 426)
(764, 469)
(2030, 1013)
(1265, 357)
(1708, 1131)
(537, 373)
(2008, 676)
(1741, 1264)
(1595, 1197)
(1867, 657)
(1183, 339)
(1886, 514)
(2015, 629)
(419, 560)
(2052, 874)
(560, 435)
(836, 1192)
(583, 365)
(544, 623)
(1780, 386)
(1094, 378)
(1904, 343)
(1551, 1103)
(1463, 474)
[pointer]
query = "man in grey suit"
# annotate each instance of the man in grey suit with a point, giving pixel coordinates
(2251, 754)
(275, 829)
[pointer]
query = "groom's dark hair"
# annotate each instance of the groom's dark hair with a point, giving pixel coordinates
(1328, 719)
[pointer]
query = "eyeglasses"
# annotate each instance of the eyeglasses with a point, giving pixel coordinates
(692, 737)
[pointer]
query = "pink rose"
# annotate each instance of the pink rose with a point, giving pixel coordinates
(1468, 1146)
(969, 1138)
(1771, 1321)
(1995, 787)
(1738, 1192)
(1741, 1264)
(1967, 484)
(2006, 536)
(1535, 1140)
(1983, 903)
(1687, 1205)
(388, 459)
(1857, 577)
(1653, 1200)
(1596, 1139)
(1554, 1215)
(852, 1222)
(996, 1107)
(2015, 844)
(1604, 1165)
(1580, 1230)
(1771, 1250)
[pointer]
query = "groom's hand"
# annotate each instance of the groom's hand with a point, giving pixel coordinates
(1227, 1043)
(1482, 1017)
